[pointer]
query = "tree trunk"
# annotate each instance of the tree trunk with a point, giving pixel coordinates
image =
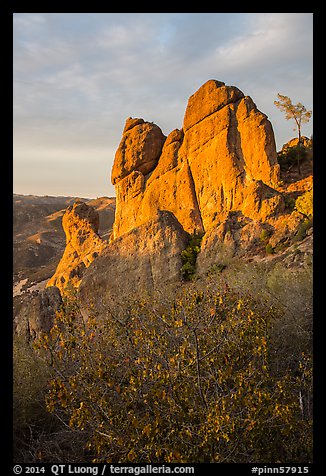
(298, 160)
(299, 150)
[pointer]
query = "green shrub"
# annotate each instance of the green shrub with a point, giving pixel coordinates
(217, 268)
(264, 238)
(302, 230)
(291, 156)
(265, 235)
(189, 256)
(289, 290)
(269, 249)
(304, 204)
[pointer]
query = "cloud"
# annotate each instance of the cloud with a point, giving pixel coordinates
(26, 22)
(77, 77)
(274, 41)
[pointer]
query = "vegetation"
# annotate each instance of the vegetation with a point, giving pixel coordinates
(208, 377)
(189, 256)
(287, 290)
(217, 268)
(37, 435)
(264, 236)
(289, 202)
(296, 112)
(291, 156)
(304, 204)
(302, 230)
(300, 115)
(269, 249)
(29, 387)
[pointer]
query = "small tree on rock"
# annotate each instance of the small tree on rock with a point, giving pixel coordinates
(298, 113)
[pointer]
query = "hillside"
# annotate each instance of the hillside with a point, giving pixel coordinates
(39, 239)
(175, 325)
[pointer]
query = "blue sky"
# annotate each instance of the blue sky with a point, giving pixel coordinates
(78, 76)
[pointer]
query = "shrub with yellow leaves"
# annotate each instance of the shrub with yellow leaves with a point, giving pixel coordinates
(188, 381)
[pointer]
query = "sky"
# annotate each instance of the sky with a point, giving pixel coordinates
(79, 76)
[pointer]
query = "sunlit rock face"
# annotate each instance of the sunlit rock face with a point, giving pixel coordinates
(223, 159)
(217, 175)
(83, 244)
(139, 149)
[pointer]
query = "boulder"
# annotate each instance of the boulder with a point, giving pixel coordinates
(210, 97)
(139, 149)
(36, 312)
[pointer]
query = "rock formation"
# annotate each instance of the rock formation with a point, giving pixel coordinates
(141, 261)
(83, 245)
(38, 237)
(139, 149)
(223, 159)
(305, 141)
(36, 312)
(218, 175)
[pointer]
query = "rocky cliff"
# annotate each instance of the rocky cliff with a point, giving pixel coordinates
(218, 175)
(223, 159)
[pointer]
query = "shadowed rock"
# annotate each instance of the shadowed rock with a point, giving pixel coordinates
(37, 312)
(140, 262)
